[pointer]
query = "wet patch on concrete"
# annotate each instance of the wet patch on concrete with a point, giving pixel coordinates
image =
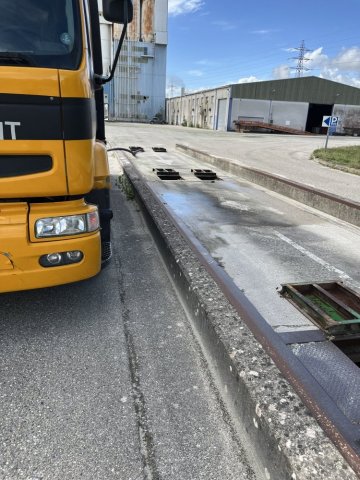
(329, 203)
(280, 432)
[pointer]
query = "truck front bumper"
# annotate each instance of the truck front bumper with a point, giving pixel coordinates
(20, 267)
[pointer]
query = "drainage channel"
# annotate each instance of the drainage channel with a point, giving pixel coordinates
(338, 427)
(167, 174)
(334, 308)
(204, 174)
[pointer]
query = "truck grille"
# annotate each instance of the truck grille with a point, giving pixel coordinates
(18, 165)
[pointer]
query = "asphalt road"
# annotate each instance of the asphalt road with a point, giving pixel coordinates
(104, 379)
(285, 155)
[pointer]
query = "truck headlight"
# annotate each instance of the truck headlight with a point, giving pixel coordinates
(67, 225)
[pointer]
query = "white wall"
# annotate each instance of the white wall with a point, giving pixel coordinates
(221, 114)
(244, 109)
(138, 91)
(106, 40)
(106, 45)
(161, 22)
(291, 114)
(349, 117)
(198, 109)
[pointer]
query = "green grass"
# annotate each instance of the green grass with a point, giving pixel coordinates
(346, 156)
(126, 187)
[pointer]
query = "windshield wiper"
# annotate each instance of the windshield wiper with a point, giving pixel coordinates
(16, 58)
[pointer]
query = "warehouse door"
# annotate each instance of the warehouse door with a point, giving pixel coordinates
(315, 115)
(221, 123)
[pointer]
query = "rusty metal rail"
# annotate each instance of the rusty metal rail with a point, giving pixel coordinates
(240, 124)
(338, 428)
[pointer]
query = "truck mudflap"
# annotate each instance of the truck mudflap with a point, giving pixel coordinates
(21, 267)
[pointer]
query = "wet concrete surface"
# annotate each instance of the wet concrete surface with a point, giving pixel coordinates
(286, 439)
(257, 236)
(284, 155)
(261, 239)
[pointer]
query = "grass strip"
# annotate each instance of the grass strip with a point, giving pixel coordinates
(347, 156)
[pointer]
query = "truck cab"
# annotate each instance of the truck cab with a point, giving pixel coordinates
(54, 177)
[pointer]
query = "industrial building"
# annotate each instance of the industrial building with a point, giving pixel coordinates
(297, 103)
(137, 92)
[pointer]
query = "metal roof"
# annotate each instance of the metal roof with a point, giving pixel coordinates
(304, 89)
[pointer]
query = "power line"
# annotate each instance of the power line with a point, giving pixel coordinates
(300, 68)
(237, 63)
(230, 71)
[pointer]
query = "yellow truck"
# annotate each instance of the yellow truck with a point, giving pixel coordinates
(54, 176)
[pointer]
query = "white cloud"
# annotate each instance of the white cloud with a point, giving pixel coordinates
(343, 67)
(178, 7)
(174, 91)
(263, 32)
(249, 79)
(317, 59)
(336, 76)
(348, 59)
(174, 86)
(281, 72)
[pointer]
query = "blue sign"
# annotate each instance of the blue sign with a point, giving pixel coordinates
(329, 121)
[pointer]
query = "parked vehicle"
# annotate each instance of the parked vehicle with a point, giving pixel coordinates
(54, 176)
(157, 120)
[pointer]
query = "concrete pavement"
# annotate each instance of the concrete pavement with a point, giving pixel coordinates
(104, 379)
(285, 438)
(284, 155)
(212, 317)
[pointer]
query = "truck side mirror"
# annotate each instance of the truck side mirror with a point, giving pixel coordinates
(118, 11)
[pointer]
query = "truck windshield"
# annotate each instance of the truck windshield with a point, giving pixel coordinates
(40, 33)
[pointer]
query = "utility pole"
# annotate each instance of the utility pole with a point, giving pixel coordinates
(300, 68)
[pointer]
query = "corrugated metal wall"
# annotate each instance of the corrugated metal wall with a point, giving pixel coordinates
(305, 89)
(138, 89)
(282, 102)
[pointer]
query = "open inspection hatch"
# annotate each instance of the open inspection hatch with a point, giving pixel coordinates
(167, 174)
(159, 149)
(334, 308)
(136, 149)
(204, 174)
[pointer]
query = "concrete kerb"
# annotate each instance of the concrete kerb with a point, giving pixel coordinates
(334, 205)
(282, 436)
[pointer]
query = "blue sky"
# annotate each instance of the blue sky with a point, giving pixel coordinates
(216, 42)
